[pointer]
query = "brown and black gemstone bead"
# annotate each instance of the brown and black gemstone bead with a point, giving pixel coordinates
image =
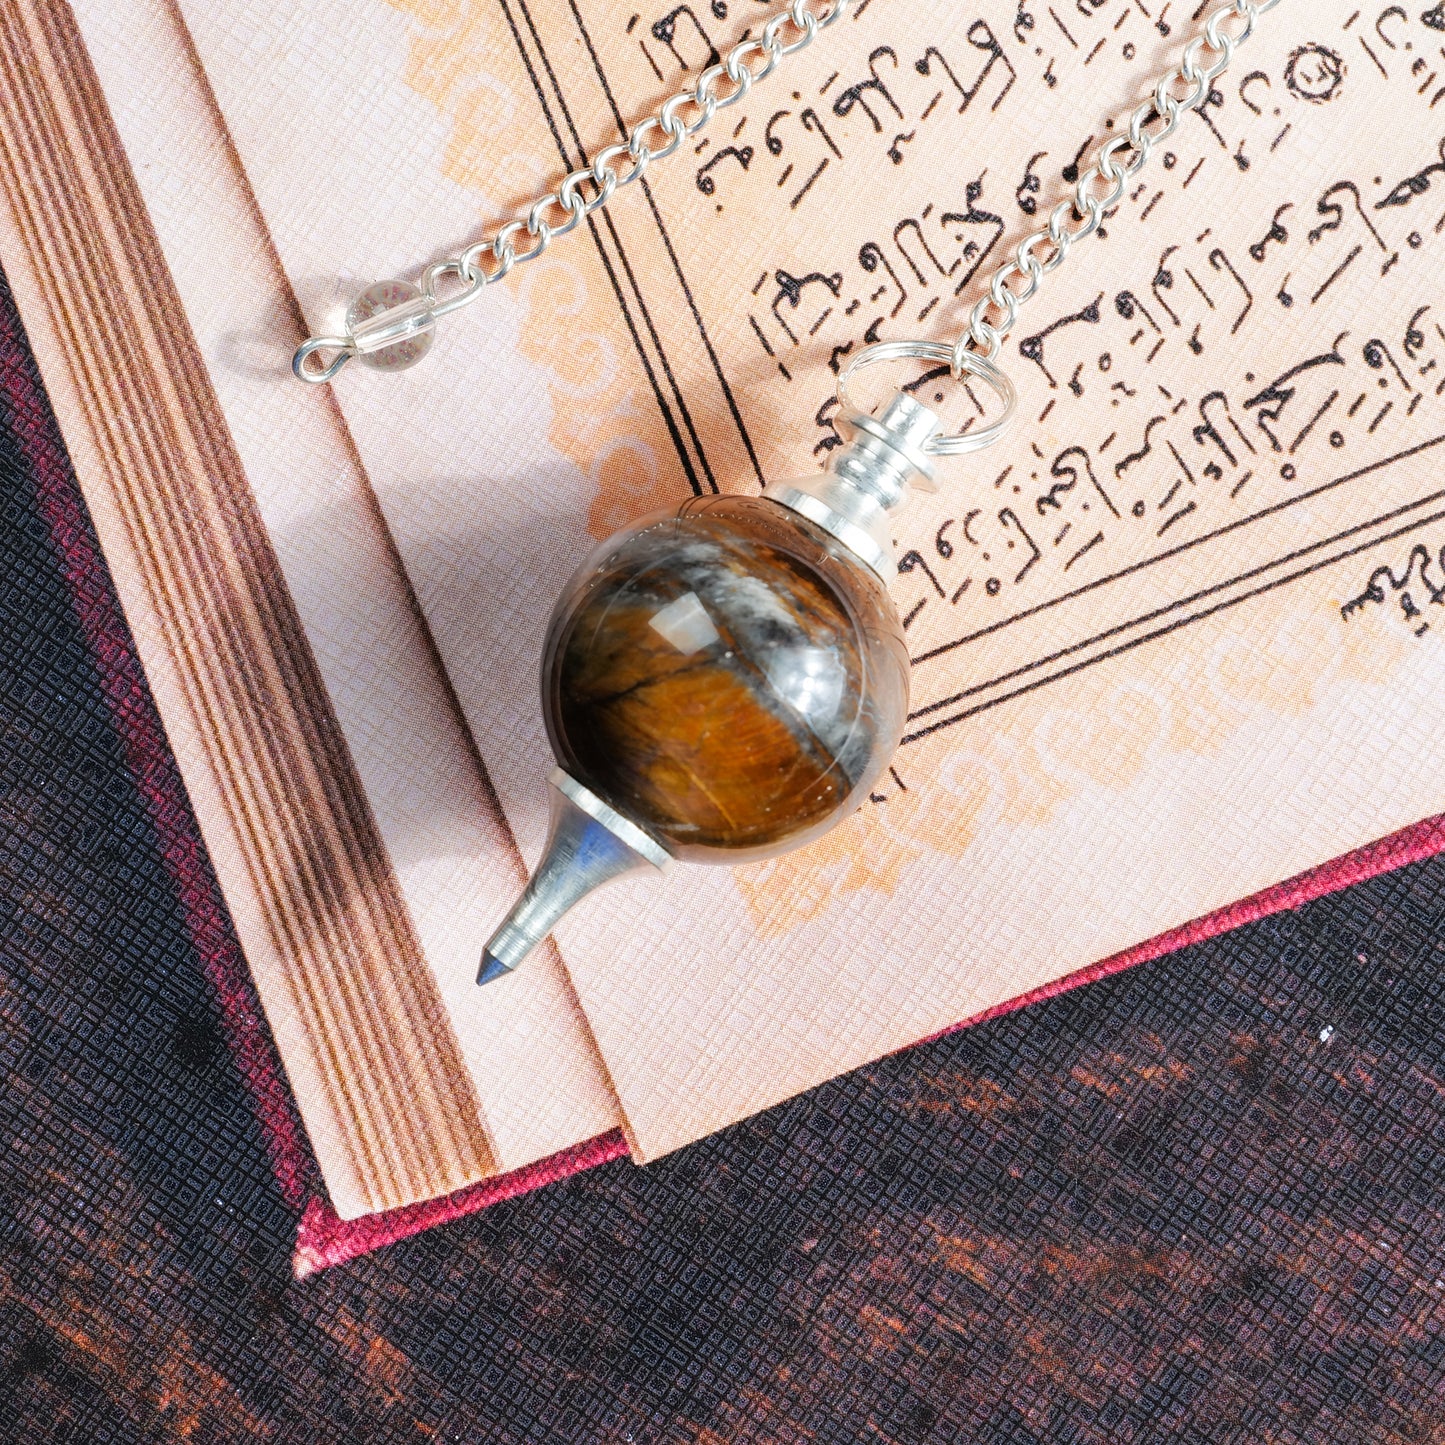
(728, 676)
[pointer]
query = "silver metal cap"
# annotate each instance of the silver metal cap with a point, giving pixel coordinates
(589, 844)
(868, 479)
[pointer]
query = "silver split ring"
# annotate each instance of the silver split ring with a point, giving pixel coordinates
(959, 364)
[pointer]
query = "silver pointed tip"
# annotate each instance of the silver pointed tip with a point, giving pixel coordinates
(589, 844)
(491, 970)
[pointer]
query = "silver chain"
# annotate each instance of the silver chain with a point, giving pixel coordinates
(399, 319)
(1082, 215)
(464, 277)
(1099, 190)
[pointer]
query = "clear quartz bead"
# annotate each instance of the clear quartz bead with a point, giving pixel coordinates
(392, 325)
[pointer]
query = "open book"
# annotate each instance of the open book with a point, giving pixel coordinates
(1174, 641)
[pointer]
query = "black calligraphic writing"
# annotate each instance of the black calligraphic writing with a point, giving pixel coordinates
(1009, 520)
(1272, 401)
(1253, 78)
(1276, 232)
(898, 233)
(914, 562)
(1194, 282)
(665, 30)
(1031, 348)
(1028, 192)
(1128, 305)
(895, 151)
(811, 122)
(929, 378)
(1385, 582)
(1328, 206)
(972, 253)
(1315, 73)
(824, 418)
(705, 180)
(1394, 12)
(1144, 452)
(1414, 337)
(1071, 171)
(981, 37)
(1069, 479)
(870, 258)
(1083, 504)
(773, 142)
(924, 66)
(1377, 357)
(772, 139)
(1095, 541)
(1413, 186)
(1435, 18)
(1164, 281)
(1221, 262)
(1214, 101)
(854, 95)
(1207, 431)
(791, 288)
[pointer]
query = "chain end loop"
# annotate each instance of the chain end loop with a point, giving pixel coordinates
(317, 346)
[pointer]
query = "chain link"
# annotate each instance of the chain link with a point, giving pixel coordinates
(1102, 186)
(448, 286)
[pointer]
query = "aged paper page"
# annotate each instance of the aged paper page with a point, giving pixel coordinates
(538, 1084)
(1174, 641)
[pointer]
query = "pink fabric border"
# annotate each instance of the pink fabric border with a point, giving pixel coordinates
(322, 1239)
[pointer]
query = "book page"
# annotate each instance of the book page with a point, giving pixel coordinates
(528, 1056)
(1174, 640)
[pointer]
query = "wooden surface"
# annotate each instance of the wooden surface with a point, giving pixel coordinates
(1202, 1201)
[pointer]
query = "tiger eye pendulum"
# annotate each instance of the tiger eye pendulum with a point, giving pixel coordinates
(725, 682)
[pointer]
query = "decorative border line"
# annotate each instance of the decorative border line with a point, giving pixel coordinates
(1211, 601)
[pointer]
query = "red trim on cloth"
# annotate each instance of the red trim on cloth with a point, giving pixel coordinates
(1410, 845)
(322, 1238)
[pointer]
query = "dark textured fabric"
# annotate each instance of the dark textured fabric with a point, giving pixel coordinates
(1201, 1201)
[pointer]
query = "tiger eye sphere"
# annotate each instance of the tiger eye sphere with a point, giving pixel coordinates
(728, 676)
